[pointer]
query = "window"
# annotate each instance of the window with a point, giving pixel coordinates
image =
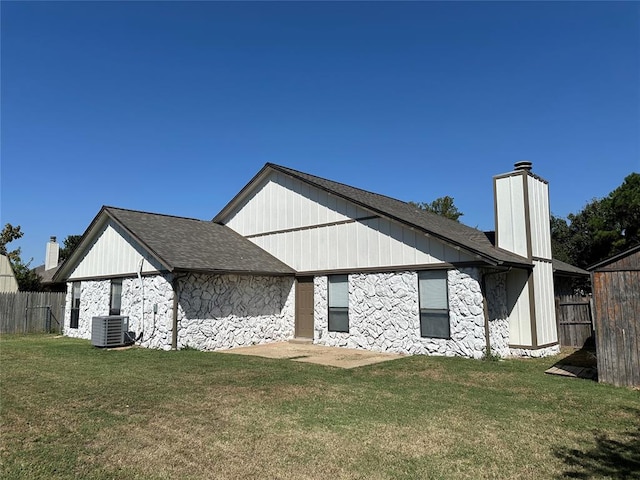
(75, 305)
(116, 297)
(434, 304)
(338, 303)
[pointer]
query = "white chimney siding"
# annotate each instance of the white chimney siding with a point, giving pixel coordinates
(522, 227)
(52, 254)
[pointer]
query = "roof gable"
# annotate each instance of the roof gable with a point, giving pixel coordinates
(166, 243)
(448, 231)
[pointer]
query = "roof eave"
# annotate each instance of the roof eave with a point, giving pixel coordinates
(209, 271)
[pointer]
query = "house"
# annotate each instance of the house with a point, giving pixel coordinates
(8, 282)
(51, 264)
(296, 255)
(616, 298)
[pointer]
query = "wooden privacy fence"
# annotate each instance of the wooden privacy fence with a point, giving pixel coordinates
(575, 326)
(31, 312)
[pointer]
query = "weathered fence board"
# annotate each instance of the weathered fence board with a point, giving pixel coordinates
(31, 312)
(617, 320)
(575, 326)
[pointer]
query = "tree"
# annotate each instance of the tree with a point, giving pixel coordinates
(27, 279)
(9, 234)
(603, 228)
(69, 244)
(441, 206)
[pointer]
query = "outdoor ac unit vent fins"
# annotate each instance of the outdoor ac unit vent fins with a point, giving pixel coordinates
(109, 331)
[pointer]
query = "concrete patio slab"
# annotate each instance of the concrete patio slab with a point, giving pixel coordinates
(307, 352)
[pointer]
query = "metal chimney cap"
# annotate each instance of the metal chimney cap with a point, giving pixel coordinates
(523, 165)
(52, 239)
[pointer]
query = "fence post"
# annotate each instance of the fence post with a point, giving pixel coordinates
(26, 312)
(47, 324)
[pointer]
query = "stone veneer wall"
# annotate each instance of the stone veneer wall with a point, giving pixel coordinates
(214, 311)
(225, 311)
(384, 315)
(496, 295)
(535, 353)
(94, 301)
(155, 327)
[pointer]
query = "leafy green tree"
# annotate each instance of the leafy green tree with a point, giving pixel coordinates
(441, 206)
(561, 245)
(27, 279)
(69, 244)
(9, 234)
(603, 228)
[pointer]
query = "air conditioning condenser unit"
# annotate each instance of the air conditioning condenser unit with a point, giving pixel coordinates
(109, 331)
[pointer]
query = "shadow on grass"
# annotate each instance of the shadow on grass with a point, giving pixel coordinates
(608, 458)
(581, 363)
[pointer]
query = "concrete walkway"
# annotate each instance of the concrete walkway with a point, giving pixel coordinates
(307, 352)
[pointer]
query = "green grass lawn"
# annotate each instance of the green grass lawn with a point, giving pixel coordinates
(69, 410)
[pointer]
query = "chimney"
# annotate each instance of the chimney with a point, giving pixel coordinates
(522, 217)
(52, 254)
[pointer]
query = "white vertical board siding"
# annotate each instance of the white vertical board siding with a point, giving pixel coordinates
(546, 328)
(518, 308)
(511, 231)
(295, 222)
(281, 202)
(365, 244)
(113, 252)
(540, 218)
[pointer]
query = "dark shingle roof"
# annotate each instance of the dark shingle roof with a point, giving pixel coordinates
(564, 268)
(46, 276)
(468, 238)
(187, 244)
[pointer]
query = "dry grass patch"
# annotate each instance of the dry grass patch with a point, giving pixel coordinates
(72, 411)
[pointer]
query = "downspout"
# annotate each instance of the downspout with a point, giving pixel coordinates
(141, 300)
(176, 297)
(485, 307)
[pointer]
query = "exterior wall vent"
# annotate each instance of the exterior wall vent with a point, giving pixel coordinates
(109, 331)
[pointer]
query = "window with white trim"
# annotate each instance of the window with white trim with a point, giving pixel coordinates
(338, 303)
(434, 304)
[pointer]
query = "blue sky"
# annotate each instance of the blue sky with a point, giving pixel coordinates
(173, 107)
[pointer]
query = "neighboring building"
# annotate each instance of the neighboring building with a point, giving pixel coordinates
(616, 298)
(8, 282)
(565, 277)
(51, 264)
(295, 255)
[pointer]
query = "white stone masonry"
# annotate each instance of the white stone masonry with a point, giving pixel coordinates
(384, 315)
(225, 311)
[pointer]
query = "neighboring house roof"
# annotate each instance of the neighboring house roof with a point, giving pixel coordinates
(449, 231)
(186, 244)
(615, 258)
(567, 269)
(46, 276)
(8, 282)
